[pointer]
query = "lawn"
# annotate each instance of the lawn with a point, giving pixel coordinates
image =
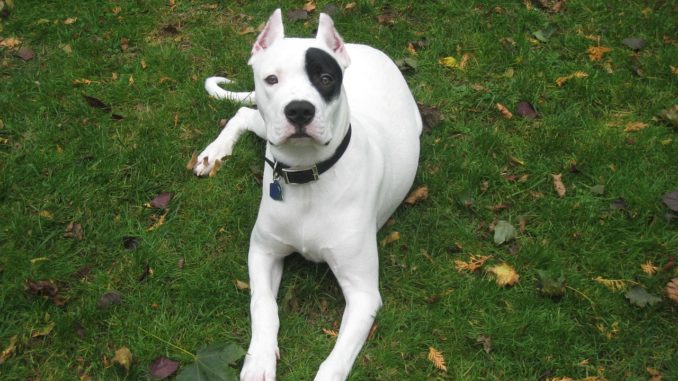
(102, 104)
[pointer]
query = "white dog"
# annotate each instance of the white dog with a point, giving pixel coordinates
(342, 153)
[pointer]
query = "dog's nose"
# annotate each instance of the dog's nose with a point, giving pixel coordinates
(300, 113)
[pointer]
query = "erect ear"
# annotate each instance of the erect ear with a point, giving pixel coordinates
(329, 36)
(273, 31)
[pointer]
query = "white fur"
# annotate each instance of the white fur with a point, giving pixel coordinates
(336, 218)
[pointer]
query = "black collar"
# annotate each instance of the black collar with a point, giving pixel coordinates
(306, 175)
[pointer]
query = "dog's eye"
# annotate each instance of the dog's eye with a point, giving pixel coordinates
(326, 80)
(271, 79)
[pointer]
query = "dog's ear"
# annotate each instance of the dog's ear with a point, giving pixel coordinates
(273, 31)
(329, 36)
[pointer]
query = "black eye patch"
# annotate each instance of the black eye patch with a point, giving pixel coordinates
(320, 65)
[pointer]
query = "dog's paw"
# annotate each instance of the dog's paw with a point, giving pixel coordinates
(259, 367)
(208, 162)
(331, 371)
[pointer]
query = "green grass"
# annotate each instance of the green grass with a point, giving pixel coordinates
(61, 156)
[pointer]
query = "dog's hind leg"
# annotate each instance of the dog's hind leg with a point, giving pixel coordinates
(246, 119)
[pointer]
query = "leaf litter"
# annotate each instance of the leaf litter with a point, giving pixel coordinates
(213, 363)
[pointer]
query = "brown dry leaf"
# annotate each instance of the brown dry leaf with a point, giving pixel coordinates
(350, 6)
(9, 350)
(474, 263)
(124, 44)
(437, 358)
(116, 10)
(464, 61)
(70, 20)
(394, 236)
(123, 356)
(672, 290)
(648, 268)
(596, 53)
(159, 222)
(46, 214)
(74, 230)
(674, 70)
(83, 81)
(505, 113)
(247, 30)
(330, 332)
(44, 331)
(558, 184)
(417, 195)
(634, 126)
(654, 374)
(240, 285)
(609, 333)
(553, 6)
(577, 74)
(505, 275)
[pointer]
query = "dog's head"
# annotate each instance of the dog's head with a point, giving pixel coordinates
(298, 83)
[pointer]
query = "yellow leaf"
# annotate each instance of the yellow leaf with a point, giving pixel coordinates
(609, 333)
(674, 70)
(504, 111)
(436, 357)
(130, 80)
(634, 126)
(309, 6)
(9, 351)
(614, 285)
(596, 53)
(558, 184)
(66, 48)
(649, 268)
(10, 43)
(654, 374)
(419, 194)
(70, 20)
(330, 332)
(394, 236)
(474, 263)
(504, 274)
(123, 357)
(116, 10)
(577, 74)
(46, 214)
(449, 62)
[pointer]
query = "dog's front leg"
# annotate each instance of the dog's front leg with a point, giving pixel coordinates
(265, 269)
(245, 119)
(358, 277)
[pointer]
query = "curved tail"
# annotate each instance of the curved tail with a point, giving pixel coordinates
(216, 91)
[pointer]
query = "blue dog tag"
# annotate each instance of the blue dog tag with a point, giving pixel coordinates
(275, 191)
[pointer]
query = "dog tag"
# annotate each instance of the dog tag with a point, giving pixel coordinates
(275, 191)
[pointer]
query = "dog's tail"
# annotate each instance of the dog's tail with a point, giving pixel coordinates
(216, 91)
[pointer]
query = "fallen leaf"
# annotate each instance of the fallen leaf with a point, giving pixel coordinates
(46, 214)
(634, 43)
(83, 81)
(640, 297)
(297, 15)
(162, 367)
(387, 16)
(670, 116)
(549, 285)
(45, 288)
(486, 342)
(614, 285)
(406, 65)
(671, 290)
(654, 374)
(437, 359)
(161, 200)
(449, 62)
(159, 221)
(596, 53)
(417, 195)
(97, 103)
(560, 81)
(74, 230)
(648, 268)
(309, 6)
(350, 6)
(558, 184)
(130, 242)
(44, 331)
(247, 30)
(464, 61)
(70, 20)
(430, 116)
(634, 126)
(474, 263)
(109, 299)
(618, 204)
(10, 43)
(213, 362)
(505, 275)
(240, 285)
(505, 113)
(25, 54)
(503, 232)
(544, 35)
(123, 357)
(9, 350)
(526, 110)
(610, 332)
(598, 189)
(394, 236)
(116, 10)
(330, 332)
(671, 200)
(553, 6)
(124, 44)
